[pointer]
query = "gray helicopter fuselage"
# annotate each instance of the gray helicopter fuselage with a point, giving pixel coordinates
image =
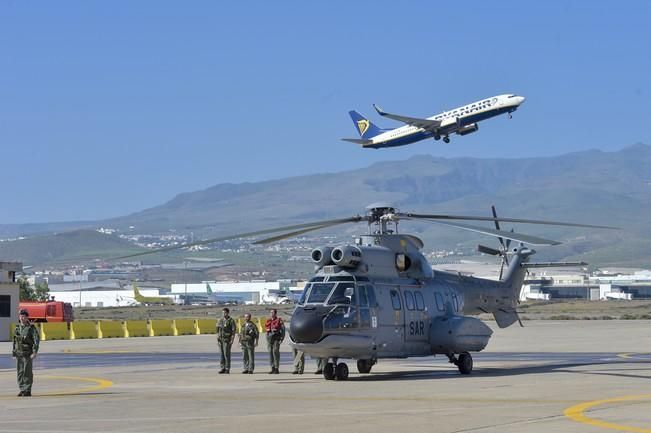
(380, 298)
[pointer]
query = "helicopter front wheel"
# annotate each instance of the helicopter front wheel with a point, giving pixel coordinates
(464, 363)
(329, 371)
(341, 371)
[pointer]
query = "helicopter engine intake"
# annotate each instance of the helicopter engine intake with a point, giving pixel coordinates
(347, 257)
(322, 256)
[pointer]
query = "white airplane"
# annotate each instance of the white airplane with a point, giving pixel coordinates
(462, 121)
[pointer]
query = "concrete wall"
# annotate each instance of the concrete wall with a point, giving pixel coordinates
(11, 316)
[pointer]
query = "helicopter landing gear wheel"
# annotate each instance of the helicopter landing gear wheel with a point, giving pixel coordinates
(341, 371)
(446, 139)
(364, 365)
(329, 371)
(464, 363)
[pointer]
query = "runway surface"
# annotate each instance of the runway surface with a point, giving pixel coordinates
(587, 376)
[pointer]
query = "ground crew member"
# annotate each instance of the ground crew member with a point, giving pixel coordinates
(299, 361)
(248, 340)
(275, 329)
(226, 330)
(320, 365)
(25, 348)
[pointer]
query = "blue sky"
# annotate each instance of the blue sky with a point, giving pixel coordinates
(107, 108)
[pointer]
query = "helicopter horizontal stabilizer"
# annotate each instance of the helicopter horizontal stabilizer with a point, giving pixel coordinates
(506, 318)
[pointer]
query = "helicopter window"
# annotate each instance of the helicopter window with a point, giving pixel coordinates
(317, 279)
(455, 301)
(362, 279)
(364, 318)
(439, 301)
(370, 294)
(306, 289)
(319, 292)
(342, 317)
(409, 300)
(333, 279)
(395, 300)
(420, 302)
(363, 299)
(339, 296)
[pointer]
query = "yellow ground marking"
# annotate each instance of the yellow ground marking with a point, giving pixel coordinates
(576, 413)
(632, 355)
(99, 384)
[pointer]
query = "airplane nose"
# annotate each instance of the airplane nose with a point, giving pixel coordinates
(306, 325)
(521, 99)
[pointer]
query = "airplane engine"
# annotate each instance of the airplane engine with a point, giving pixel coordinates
(458, 334)
(468, 129)
(322, 256)
(347, 257)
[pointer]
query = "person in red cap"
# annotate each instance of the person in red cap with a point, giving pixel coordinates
(25, 348)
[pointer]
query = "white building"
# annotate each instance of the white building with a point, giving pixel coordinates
(9, 297)
(101, 298)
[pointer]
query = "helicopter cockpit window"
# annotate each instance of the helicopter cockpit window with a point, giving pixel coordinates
(341, 318)
(409, 300)
(317, 279)
(363, 299)
(395, 300)
(306, 289)
(439, 301)
(339, 294)
(420, 302)
(319, 293)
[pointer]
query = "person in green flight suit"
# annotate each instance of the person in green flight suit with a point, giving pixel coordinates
(226, 330)
(26, 340)
(249, 336)
(275, 329)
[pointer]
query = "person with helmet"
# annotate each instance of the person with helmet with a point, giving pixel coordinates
(25, 348)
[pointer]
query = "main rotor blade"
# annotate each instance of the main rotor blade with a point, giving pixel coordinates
(316, 224)
(527, 239)
(502, 219)
(292, 234)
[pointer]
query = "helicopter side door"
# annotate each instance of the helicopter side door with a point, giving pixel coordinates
(416, 320)
(391, 321)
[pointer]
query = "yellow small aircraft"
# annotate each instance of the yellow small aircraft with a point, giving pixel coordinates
(150, 300)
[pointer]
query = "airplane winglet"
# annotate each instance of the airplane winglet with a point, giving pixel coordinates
(379, 110)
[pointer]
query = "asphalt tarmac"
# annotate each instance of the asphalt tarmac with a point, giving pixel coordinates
(565, 376)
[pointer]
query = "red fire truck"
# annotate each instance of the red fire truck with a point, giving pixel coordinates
(50, 311)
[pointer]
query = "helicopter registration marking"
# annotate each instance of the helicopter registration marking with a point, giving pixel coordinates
(417, 327)
(373, 322)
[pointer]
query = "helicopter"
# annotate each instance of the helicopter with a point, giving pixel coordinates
(380, 298)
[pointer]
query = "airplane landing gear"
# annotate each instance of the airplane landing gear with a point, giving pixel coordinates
(446, 139)
(334, 370)
(510, 116)
(463, 363)
(437, 137)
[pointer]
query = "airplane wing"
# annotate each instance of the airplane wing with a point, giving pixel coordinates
(427, 124)
(358, 141)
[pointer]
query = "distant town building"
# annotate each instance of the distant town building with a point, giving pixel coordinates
(9, 297)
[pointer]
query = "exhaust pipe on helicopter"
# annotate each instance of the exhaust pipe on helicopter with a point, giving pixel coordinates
(322, 256)
(347, 257)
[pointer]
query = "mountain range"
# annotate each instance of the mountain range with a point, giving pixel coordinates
(592, 187)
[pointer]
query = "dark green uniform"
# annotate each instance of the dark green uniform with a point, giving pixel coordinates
(320, 365)
(226, 330)
(26, 340)
(275, 329)
(299, 361)
(249, 336)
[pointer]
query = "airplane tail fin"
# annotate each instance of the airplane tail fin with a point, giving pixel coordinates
(136, 292)
(364, 126)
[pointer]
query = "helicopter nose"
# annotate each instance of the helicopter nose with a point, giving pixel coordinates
(306, 325)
